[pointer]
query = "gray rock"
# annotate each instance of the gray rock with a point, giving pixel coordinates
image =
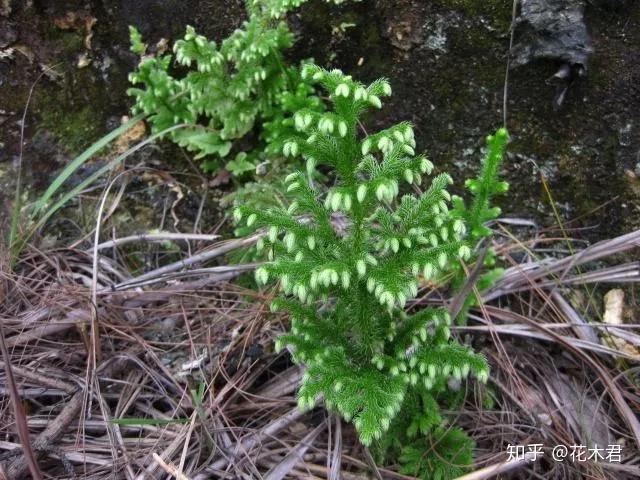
(552, 29)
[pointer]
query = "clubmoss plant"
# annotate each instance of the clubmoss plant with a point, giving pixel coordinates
(348, 260)
(227, 89)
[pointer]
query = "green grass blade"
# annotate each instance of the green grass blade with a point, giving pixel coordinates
(137, 422)
(97, 174)
(81, 159)
(39, 222)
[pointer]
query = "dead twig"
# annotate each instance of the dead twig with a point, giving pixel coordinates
(499, 468)
(169, 468)
(19, 415)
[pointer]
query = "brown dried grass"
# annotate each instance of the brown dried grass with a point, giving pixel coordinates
(86, 370)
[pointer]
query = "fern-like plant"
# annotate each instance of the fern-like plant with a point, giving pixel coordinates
(227, 89)
(348, 260)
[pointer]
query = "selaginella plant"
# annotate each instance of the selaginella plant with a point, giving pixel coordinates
(220, 92)
(351, 257)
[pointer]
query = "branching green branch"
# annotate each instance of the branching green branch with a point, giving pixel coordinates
(364, 356)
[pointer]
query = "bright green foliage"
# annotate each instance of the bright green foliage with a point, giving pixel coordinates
(227, 88)
(483, 189)
(423, 442)
(442, 454)
(137, 45)
(279, 8)
(478, 213)
(349, 258)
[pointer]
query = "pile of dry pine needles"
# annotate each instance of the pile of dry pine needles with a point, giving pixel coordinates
(172, 374)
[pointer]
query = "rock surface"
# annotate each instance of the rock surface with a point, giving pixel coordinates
(552, 30)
